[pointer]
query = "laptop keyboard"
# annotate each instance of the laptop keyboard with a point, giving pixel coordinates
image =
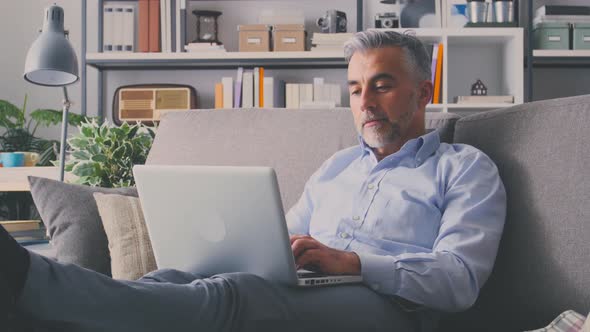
(309, 274)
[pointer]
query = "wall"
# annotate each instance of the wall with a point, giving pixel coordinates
(22, 19)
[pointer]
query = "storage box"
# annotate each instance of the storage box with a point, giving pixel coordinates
(551, 36)
(581, 36)
(288, 37)
(254, 38)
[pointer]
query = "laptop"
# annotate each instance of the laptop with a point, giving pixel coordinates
(210, 220)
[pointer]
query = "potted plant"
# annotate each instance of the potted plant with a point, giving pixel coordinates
(103, 155)
(19, 133)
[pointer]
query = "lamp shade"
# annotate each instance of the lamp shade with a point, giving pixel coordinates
(51, 60)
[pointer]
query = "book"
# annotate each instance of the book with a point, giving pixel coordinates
(248, 89)
(228, 87)
(484, 99)
(163, 25)
(436, 98)
(128, 29)
(261, 89)
(21, 225)
(118, 29)
(238, 87)
(172, 24)
(154, 25)
(182, 25)
(256, 87)
(218, 95)
(143, 26)
(305, 93)
(268, 92)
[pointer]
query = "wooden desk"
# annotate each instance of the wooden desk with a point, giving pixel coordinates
(15, 178)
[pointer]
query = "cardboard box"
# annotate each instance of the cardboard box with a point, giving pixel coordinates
(551, 36)
(581, 36)
(288, 37)
(254, 38)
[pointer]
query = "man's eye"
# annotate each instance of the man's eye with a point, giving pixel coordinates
(355, 92)
(383, 88)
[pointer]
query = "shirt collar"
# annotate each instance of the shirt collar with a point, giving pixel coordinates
(420, 148)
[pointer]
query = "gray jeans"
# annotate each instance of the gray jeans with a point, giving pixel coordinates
(169, 300)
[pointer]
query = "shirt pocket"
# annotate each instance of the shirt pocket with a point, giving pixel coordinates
(408, 217)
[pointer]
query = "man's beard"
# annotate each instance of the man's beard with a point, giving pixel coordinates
(381, 134)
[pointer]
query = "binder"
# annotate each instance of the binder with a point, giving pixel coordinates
(248, 90)
(436, 99)
(143, 26)
(154, 25)
(218, 95)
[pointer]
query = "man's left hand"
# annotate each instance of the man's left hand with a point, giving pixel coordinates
(312, 255)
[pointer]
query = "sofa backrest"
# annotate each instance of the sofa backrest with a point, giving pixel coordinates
(543, 265)
(295, 142)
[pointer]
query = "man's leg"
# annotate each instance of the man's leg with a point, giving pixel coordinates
(88, 301)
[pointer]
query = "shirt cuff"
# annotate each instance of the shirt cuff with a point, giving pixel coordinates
(378, 272)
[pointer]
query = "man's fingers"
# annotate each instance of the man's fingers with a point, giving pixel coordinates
(293, 238)
(303, 244)
(310, 259)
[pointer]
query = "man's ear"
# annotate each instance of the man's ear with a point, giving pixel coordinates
(425, 90)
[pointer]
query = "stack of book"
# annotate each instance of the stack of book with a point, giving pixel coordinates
(329, 41)
(26, 232)
(562, 13)
(250, 88)
(436, 52)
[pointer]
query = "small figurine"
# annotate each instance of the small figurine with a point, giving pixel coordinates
(479, 89)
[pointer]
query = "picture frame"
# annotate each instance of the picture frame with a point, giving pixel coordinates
(421, 14)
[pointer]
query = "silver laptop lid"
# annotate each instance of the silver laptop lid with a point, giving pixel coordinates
(216, 219)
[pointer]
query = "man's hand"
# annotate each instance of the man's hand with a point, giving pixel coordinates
(312, 255)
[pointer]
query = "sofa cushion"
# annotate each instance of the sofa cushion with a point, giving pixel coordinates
(129, 243)
(70, 214)
(295, 142)
(542, 268)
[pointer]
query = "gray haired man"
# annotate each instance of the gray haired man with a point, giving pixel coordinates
(420, 220)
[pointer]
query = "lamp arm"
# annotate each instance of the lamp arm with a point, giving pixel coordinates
(64, 134)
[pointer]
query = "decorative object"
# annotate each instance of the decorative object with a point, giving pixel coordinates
(129, 243)
(71, 217)
(148, 102)
(254, 38)
(387, 20)
(103, 155)
(479, 89)
(51, 61)
(503, 11)
(477, 11)
(13, 159)
(334, 21)
(207, 26)
(288, 37)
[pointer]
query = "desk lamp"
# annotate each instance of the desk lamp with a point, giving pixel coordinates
(51, 61)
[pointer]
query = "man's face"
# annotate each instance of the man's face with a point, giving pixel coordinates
(385, 97)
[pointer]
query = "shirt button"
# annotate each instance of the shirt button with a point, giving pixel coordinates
(371, 186)
(344, 235)
(356, 218)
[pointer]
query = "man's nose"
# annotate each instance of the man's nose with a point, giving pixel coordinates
(368, 102)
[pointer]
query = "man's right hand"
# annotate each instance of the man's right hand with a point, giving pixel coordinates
(313, 255)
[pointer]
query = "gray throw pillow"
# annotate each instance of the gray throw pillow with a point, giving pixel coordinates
(71, 216)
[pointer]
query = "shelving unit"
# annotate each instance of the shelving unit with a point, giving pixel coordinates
(493, 55)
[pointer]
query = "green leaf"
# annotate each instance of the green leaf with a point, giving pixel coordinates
(119, 152)
(81, 155)
(10, 115)
(87, 131)
(79, 142)
(93, 148)
(99, 158)
(84, 168)
(47, 117)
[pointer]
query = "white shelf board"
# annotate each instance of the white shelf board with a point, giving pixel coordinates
(213, 55)
(112, 60)
(474, 106)
(561, 53)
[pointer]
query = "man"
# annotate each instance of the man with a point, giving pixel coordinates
(420, 220)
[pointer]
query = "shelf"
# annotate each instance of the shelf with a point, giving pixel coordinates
(477, 107)
(561, 58)
(215, 60)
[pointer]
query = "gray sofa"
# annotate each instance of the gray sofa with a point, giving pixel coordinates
(541, 149)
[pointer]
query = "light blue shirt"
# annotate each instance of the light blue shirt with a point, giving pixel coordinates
(425, 221)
